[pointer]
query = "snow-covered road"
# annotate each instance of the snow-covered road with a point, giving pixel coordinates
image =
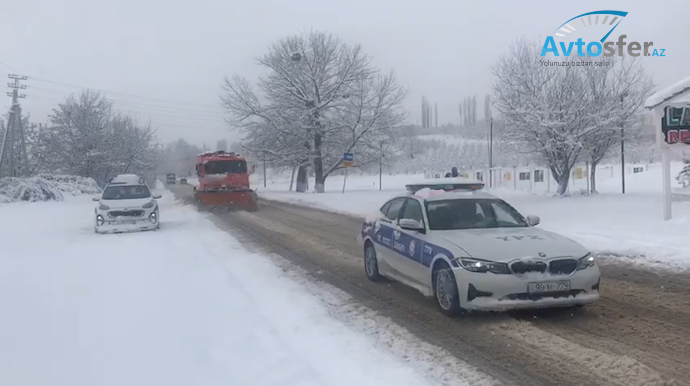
(185, 305)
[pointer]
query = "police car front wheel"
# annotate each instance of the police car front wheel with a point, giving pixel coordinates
(446, 291)
(371, 264)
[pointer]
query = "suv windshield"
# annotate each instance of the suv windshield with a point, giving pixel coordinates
(222, 167)
(127, 192)
(472, 214)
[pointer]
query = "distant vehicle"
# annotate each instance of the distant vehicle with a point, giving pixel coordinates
(473, 251)
(126, 205)
(224, 181)
(170, 179)
(183, 181)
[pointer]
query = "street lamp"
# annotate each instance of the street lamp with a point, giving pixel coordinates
(622, 150)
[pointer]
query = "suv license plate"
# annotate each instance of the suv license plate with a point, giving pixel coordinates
(548, 286)
(128, 222)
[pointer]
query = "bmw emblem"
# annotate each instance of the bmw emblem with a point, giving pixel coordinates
(542, 254)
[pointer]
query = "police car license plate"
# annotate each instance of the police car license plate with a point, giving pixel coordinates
(127, 221)
(548, 286)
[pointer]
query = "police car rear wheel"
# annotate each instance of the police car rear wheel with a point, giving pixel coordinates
(446, 291)
(371, 265)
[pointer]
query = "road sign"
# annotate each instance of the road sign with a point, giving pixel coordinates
(348, 159)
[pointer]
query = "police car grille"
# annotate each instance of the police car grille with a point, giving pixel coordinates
(563, 266)
(126, 213)
(524, 267)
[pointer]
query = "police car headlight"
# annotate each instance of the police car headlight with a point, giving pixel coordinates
(149, 204)
(585, 262)
(103, 207)
(99, 220)
(482, 266)
(153, 218)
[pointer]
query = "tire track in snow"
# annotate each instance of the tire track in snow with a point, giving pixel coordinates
(636, 307)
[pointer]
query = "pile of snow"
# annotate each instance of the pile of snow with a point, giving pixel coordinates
(45, 187)
(13, 189)
(74, 185)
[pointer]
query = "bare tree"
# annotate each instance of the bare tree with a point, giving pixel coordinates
(134, 144)
(546, 108)
(323, 99)
(618, 91)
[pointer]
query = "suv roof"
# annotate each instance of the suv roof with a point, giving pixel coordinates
(127, 179)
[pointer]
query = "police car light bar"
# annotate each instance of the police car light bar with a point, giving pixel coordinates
(447, 187)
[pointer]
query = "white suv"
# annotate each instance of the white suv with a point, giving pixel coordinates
(126, 205)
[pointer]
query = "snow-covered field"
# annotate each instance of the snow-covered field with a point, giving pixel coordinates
(185, 305)
(629, 225)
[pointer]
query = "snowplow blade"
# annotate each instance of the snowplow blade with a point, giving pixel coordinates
(242, 200)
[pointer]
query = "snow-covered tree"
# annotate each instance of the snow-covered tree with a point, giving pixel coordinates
(320, 99)
(85, 138)
(683, 176)
(545, 108)
(81, 133)
(617, 93)
(179, 157)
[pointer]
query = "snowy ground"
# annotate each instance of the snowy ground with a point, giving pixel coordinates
(612, 223)
(185, 305)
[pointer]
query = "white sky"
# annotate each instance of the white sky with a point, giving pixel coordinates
(179, 51)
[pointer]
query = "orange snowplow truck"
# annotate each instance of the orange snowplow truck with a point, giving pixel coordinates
(224, 181)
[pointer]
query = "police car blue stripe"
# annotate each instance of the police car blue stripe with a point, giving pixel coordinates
(406, 245)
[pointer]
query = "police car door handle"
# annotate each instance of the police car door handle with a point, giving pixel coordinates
(386, 220)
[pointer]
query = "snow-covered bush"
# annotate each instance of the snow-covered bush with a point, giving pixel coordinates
(32, 189)
(683, 176)
(74, 185)
(45, 187)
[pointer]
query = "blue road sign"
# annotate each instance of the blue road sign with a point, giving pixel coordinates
(348, 159)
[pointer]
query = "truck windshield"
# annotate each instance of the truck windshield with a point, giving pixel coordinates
(226, 167)
(130, 192)
(472, 214)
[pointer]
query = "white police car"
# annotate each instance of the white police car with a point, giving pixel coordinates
(126, 205)
(473, 251)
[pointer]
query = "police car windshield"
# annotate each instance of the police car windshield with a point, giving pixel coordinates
(126, 192)
(472, 214)
(223, 167)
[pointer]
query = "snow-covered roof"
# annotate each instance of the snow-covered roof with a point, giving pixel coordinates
(131, 179)
(678, 93)
(445, 181)
(436, 195)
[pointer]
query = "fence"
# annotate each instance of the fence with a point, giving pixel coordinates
(539, 178)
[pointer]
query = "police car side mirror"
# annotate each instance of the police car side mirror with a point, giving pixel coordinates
(410, 225)
(157, 196)
(533, 220)
(95, 199)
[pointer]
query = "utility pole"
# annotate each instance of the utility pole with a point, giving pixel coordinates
(491, 150)
(14, 131)
(264, 169)
(622, 153)
(380, 164)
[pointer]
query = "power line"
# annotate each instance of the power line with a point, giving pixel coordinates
(146, 105)
(154, 123)
(121, 93)
(137, 104)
